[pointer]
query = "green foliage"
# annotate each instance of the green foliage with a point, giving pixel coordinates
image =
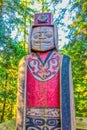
(78, 54)
(11, 51)
(77, 50)
(10, 56)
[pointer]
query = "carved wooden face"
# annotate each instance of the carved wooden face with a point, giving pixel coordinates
(42, 38)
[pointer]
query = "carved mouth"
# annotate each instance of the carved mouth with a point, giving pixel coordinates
(41, 44)
(42, 40)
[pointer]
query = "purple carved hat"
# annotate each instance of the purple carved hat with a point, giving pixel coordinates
(41, 19)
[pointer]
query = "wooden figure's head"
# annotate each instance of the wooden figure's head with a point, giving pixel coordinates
(43, 34)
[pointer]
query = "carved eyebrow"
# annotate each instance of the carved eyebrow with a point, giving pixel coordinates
(42, 32)
(36, 33)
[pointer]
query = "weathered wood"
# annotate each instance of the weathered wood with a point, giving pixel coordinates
(42, 38)
(21, 97)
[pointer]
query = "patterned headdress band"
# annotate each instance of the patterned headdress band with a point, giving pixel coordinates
(42, 19)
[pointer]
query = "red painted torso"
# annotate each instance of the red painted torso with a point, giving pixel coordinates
(43, 93)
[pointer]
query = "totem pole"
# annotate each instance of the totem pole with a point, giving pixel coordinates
(45, 91)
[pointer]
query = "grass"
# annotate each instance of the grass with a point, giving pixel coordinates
(8, 125)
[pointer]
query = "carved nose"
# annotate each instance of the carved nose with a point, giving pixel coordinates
(41, 36)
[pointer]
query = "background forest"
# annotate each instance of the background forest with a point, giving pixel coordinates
(16, 16)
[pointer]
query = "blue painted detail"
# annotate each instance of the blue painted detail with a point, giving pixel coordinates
(51, 122)
(66, 121)
(44, 62)
(41, 123)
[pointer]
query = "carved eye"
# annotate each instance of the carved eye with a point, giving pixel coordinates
(49, 34)
(36, 35)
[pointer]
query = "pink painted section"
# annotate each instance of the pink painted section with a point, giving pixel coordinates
(43, 55)
(43, 94)
(49, 19)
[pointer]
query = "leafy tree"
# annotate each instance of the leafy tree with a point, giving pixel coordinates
(11, 52)
(77, 50)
